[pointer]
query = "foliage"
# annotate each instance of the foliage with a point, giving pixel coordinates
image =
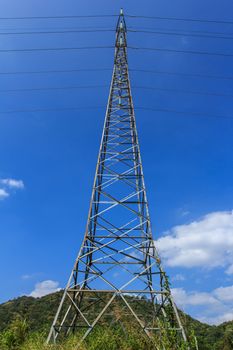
(17, 334)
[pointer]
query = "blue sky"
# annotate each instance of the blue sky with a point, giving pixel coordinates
(187, 158)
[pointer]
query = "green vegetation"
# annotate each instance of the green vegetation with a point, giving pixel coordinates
(24, 324)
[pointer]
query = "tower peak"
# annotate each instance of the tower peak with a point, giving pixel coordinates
(121, 25)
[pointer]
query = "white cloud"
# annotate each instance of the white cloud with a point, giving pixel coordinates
(185, 213)
(9, 184)
(178, 277)
(3, 193)
(44, 288)
(12, 183)
(227, 316)
(224, 293)
(206, 243)
(183, 298)
(29, 276)
(216, 306)
(26, 277)
(229, 270)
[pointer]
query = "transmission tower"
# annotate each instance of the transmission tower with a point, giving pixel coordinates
(118, 268)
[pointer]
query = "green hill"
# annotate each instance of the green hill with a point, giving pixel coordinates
(39, 313)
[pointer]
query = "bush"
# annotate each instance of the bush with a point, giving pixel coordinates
(15, 335)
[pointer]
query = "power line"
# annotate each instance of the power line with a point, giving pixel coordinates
(196, 75)
(111, 47)
(53, 28)
(54, 88)
(91, 28)
(181, 19)
(58, 109)
(180, 51)
(56, 49)
(179, 34)
(72, 31)
(180, 30)
(57, 71)
(113, 15)
(57, 17)
(54, 71)
(58, 32)
(183, 91)
(104, 86)
(200, 114)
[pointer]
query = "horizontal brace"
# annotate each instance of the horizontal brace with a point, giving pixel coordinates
(64, 326)
(130, 228)
(121, 238)
(133, 202)
(125, 135)
(119, 202)
(159, 329)
(120, 176)
(151, 273)
(120, 152)
(118, 143)
(110, 127)
(84, 271)
(119, 263)
(129, 176)
(119, 121)
(118, 291)
(123, 159)
(104, 202)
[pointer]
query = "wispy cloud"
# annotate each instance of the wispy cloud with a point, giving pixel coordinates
(7, 185)
(178, 277)
(26, 277)
(30, 276)
(44, 288)
(12, 183)
(3, 193)
(182, 212)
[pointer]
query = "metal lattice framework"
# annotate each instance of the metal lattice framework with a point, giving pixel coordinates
(117, 266)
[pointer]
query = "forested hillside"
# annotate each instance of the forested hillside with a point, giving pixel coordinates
(39, 313)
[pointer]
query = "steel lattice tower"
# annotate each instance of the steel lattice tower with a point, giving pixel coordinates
(118, 266)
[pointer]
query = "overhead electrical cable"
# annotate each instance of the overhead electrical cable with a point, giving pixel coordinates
(187, 113)
(199, 20)
(62, 29)
(180, 51)
(111, 47)
(180, 34)
(56, 49)
(183, 91)
(33, 89)
(192, 75)
(54, 88)
(57, 31)
(27, 28)
(60, 109)
(75, 31)
(56, 109)
(57, 71)
(57, 17)
(190, 31)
